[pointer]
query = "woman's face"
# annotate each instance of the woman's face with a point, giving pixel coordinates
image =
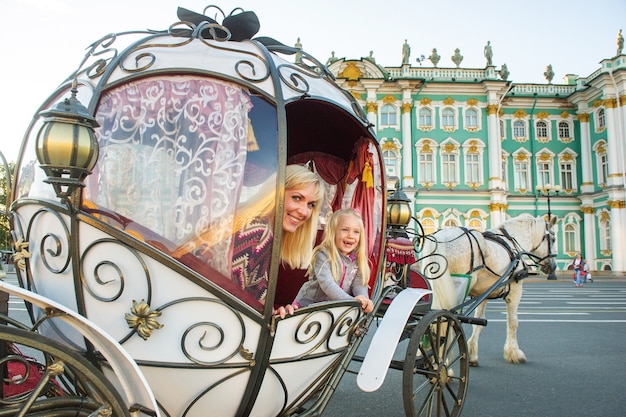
(299, 204)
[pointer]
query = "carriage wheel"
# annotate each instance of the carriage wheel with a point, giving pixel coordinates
(435, 372)
(75, 387)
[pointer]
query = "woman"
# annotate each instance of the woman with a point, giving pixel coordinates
(252, 231)
(578, 267)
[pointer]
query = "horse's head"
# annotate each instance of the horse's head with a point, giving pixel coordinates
(544, 247)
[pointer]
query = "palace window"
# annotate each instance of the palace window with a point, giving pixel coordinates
(567, 175)
(426, 168)
(428, 225)
(521, 173)
(450, 223)
(388, 115)
(544, 173)
(425, 117)
(519, 129)
(447, 118)
(541, 129)
(602, 163)
(471, 119)
(391, 160)
(475, 224)
(472, 168)
(564, 130)
(600, 120)
(570, 236)
(605, 231)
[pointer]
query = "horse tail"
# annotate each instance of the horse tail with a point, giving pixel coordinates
(433, 264)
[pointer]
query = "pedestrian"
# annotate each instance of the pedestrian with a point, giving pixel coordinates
(578, 269)
(339, 269)
(586, 273)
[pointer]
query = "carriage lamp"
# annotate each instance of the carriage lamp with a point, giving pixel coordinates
(66, 145)
(398, 210)
(549, 191)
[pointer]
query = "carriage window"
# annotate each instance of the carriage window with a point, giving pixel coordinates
(178, 156)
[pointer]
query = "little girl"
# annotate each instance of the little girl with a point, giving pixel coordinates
(339, 269)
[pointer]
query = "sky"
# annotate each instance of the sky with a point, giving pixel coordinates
(45, 40)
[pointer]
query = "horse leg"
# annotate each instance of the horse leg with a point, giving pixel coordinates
(512, 352)
(472, 342)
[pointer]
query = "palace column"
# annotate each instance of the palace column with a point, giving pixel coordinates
(407, 148)
(589, 240)
(618, 208)
(586, 154)
(497, 207)
(616, 173)
(371, 107)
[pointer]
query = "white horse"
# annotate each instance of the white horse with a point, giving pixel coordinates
(486, 257)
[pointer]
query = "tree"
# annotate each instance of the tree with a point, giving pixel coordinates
(5, 229)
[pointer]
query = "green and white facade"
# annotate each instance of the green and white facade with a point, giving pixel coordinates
(469, 147)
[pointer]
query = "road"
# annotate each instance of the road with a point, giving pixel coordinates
(575, 343)
(574, 340)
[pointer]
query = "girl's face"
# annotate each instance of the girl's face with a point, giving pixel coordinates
(348, 234)
(299, 204)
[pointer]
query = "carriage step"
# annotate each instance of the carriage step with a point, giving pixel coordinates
(472, 320)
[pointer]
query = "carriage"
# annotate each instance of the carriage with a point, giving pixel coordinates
(155, 138)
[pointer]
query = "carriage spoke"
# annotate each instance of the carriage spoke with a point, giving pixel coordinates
(436, 367)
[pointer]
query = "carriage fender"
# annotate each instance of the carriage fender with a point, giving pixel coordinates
(384, 342)
(135, 388)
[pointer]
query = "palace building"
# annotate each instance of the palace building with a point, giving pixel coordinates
(472, 148)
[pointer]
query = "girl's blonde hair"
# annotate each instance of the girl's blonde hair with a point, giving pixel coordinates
(334, 256)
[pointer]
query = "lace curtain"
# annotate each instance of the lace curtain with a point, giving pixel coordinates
(172, 157)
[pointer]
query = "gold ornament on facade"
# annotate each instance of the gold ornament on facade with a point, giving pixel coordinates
(389, 99)
(543, 115)
(474, 185)
(371, 107)
(545, 157)
(450, 185)
(498, 207)
(610, 103)
(492, 109)
(622, 100)
(567, 157)
(587, 210)
(520, 114)
(448, 101)
(543, 139)
(449, 129)
(426, 147)
(426, 185)
(351, 72)
(583, 117)
(604, 216)
(597, 103)
(601, 150)
(565, 115)
(606, 252)
(472, 102)
(616, 204)
(472, 129)
(425, 101)
(427, 213)
(449, 147)
(355, 95)
(406, 107)
(521, 157)
(142, 319)
(389, 145)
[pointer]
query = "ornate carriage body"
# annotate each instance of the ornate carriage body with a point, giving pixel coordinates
(190, 128)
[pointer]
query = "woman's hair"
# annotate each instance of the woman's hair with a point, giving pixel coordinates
(334, 257)
(297, 247)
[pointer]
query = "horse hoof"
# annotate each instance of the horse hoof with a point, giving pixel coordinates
(473, 363)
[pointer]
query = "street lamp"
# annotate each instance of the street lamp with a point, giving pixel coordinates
(549, 191)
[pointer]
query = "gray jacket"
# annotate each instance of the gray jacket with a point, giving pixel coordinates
(323, 287)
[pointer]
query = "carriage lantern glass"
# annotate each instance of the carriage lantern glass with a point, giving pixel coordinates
(66, 145)
(398, 209)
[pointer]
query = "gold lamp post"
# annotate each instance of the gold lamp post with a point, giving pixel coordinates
(66, 145)
(548, 191)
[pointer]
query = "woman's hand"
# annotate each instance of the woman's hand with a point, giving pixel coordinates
(366, 304)
(282, 311)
